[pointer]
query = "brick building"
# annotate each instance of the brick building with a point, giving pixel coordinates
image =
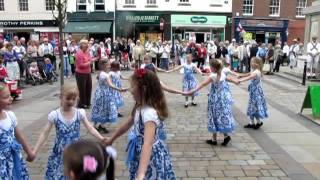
(269, 20)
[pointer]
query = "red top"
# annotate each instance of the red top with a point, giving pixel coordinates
(202, 54)
(106, 51)
(3, 73)
(81, 60)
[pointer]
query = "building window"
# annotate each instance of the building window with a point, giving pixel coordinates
(99, 5)
(23, 5)
(129, 1)
(301, 4)
(275, 8)
(151, 2)
(247, 7)
(81, 5)
(184, 1)
(50, 5)
(1, 5)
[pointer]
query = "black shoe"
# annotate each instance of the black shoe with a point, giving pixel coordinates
(193, 104)
(120, 115)
(103, 130)
(226, 141)
(249, 126)
(211, 142)
(258, 125)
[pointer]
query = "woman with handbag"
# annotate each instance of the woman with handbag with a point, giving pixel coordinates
(270, 58)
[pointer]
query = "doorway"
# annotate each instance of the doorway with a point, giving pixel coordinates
(199, 37)
(260, 38)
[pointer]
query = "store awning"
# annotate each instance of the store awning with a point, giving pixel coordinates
(88, 27)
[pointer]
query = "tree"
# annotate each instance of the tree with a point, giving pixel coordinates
(61, 7)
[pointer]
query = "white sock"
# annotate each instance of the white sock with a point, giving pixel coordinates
(251, 122)
(258, 121)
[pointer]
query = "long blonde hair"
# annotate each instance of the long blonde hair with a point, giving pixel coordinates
(257, 63)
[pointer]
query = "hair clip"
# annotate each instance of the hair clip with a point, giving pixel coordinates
(90, 164)
(140, 72)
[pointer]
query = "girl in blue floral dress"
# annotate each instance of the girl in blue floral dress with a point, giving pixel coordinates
(220, 118)
(257, 108)
(67, 120)
(104, 109)
(12, 164)
(189, 79)
(148, 155)
(116, 77)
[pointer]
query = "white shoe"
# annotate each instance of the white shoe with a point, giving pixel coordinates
(19, 98)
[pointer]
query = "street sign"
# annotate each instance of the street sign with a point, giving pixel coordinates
(312, 100)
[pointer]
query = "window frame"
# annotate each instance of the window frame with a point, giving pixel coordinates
(99, 4)
(273, 6)
(184, 1)
(151, 2)
(50, 7)
(78, 3)
(129, 2)
(243, 5)
(23, 5)
(301, 8)
(2, 5)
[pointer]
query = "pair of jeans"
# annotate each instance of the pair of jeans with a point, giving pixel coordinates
(164, 64)
(67, 67)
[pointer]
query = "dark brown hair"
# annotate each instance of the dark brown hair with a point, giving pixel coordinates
(115, 66)
(73, 160)
(150, 90)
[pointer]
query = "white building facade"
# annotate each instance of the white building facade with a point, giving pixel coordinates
(91, 18)
(31, 19)
(174, 19)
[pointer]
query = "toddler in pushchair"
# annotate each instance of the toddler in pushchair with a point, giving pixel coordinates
(49, 72)
(35, 74)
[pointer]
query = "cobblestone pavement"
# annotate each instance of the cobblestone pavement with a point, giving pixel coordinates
(243, 159)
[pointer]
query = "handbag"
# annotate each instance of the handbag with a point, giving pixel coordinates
(266, 67)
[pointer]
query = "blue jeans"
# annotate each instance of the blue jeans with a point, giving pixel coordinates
(164, 64)
(67, 67)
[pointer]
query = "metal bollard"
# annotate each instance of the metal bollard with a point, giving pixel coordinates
(304, 74)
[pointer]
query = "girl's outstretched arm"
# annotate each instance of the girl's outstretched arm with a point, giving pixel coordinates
(109, 82)
(119, 132)
(91, 129)
(200, 86)
(149, 133)
(175, 69)
(247, 78)
(199, 71)
(233, 80)
(160, 70)
(243, 75)
(43, 137)
(171, 90)
(25, 145)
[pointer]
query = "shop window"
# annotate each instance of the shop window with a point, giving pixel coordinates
(301, 4)
(23, 5)
(184, 1)
(81, 5)
(130, 2)
(274, 8)
(247, 8)
(1, 5)
(99, 5)
(151, 2)
(50, 5)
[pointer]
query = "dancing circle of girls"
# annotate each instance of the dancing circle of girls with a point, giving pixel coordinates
(148, 156)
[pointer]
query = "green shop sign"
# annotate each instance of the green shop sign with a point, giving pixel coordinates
(180, 20)
(142, 19)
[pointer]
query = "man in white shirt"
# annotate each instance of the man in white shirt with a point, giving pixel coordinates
(313, 51)
(165, 51)
(46, 50)
(285, 50)
(293, 53)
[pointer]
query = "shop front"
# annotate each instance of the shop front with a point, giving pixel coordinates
(262, 30)
(29, 29)
(143, 25)
(203, 27)
(97, 25)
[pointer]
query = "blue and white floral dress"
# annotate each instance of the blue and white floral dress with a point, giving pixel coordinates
(160, 165)
(189, 80)
(116, 80)
(104, 109)
(226, 72)
(257, 107)
(220, 118)
(12, 164)
(67, 132)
